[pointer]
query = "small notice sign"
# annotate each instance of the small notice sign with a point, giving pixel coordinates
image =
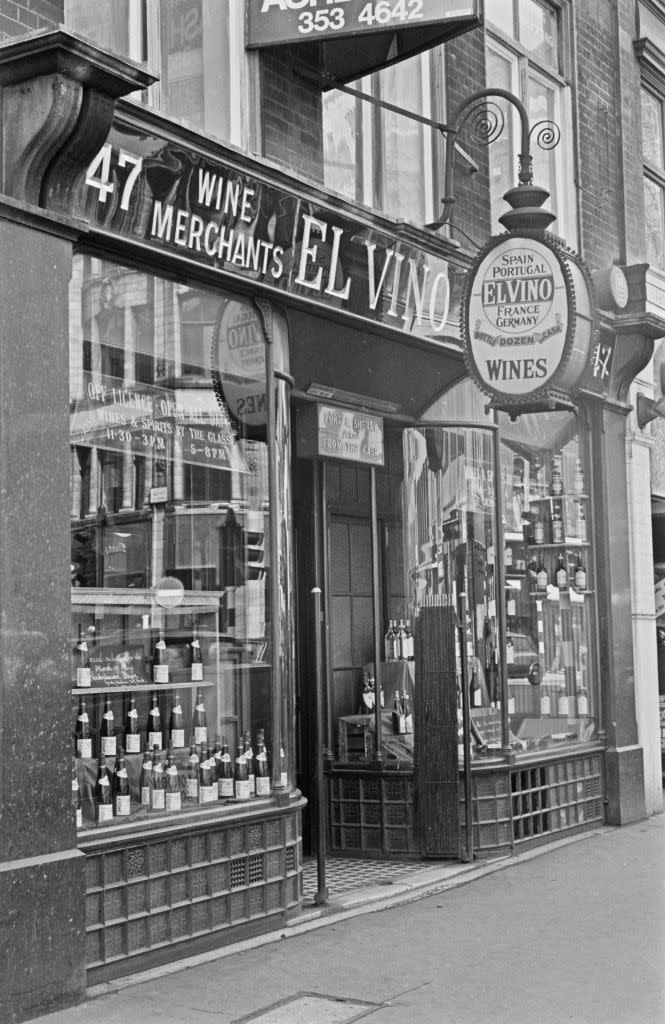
(350, 435)
(124, 667)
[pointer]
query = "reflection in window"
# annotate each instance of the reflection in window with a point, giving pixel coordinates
(170, 548)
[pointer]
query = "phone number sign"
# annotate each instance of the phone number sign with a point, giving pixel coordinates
(275, 22)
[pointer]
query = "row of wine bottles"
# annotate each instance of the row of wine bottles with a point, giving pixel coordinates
(164, 785)
(398, 641)
(152, 730)
(160, 664)
(402, 715)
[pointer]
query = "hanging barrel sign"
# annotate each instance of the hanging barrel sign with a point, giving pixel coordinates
(528, 320)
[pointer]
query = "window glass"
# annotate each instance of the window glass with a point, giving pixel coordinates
(502, 166)
(548, 574)
(187, 42)
(500, 13)
(364, 146)
(654, 215)
(341, 126)
(403, 192)
(537, 30)
(652, 129)
(170, 551)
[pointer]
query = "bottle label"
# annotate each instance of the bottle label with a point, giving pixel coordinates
(207, 794)
(132, 743)
(197, 672)
(160, 673)
(158, 800)
(541, 581)
(145, 795)
(561, 579)
(539, 533)
(557, 531)
(177, 737)
(580, 579)
(173, 802)
(104, 812)
(192, 789)
(83, 677)
(582, 704)
(201, 734)
(84, 748)
(79, 818)
(122, 805)
(563, 706)
(108, 746)
(242, 789)
(155, 740)
(408, 723)
(545, 705)
(262, 785)
(225, 787)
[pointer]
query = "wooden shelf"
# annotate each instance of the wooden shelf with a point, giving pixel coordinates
(138, 688)
(562, 545)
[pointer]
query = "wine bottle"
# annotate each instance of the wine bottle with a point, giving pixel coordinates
(388, 641)
(562, 706)
(541, 576)
(579, 477)
(177, 723)
(158, 794)
(132, 729)
(582, 702)
(121, 798)
(409, 642)
(557, 523)
(510, 651)
(103, 796)
(408, 713)
(539, 529)
(561, 574)
(536, 480)
(173, 799)
(160, 667)
(83, 735)
(199, 724)
(195, 659)
(401, 641)
(581, 521)
(192, 780)
(83, 677)
(283, 769)
(398, 715)
(146, 779)
(545, 705)
(249, 761)
(207, 778)
(580, 575)
(107, 731)
(225, 773)
(76, 799)
(556, 483)
(241, 775)
(261, 770)
(154, 729)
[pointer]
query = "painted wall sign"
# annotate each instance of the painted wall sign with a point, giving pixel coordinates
(352, 435)
(274, 22)
(528, 318)
(146, 188)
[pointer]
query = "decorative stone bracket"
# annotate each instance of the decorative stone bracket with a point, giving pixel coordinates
(58, 101)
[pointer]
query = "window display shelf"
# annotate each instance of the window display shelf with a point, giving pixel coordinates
(573, 542)
(133, 687)
(542, 499)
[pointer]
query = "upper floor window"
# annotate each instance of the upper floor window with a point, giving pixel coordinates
(654, 176)
(196, 47)
(375, 155)
(526, 56)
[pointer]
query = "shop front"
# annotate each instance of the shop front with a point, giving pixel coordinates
(251, 425)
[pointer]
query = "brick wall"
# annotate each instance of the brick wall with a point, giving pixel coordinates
(291, 114)
(22, 16)
(465, 74)
(609, 132)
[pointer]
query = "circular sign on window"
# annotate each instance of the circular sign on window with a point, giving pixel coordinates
(518, 309)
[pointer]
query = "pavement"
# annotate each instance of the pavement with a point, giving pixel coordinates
(573, 931)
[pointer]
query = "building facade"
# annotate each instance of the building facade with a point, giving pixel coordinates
(323, 596)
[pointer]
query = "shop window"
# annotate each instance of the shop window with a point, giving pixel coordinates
(170, 552)
(526, 53)
(196, 47)
(375, 155)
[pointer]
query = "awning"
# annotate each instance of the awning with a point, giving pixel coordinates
(407, 371)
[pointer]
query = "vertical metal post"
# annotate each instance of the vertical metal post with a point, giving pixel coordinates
(500, 579)
(278, 738)
(466, 725)
(322, 892)
(377, 617)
